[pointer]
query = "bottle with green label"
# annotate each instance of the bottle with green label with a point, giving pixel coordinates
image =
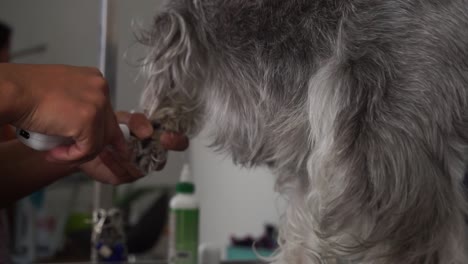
(184, 218)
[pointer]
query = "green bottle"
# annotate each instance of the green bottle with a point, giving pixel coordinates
(184, 222)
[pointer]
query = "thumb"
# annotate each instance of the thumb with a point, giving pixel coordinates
(71, 152)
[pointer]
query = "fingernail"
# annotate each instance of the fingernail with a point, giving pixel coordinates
(147, 130)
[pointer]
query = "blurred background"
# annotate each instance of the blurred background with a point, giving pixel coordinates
(238, 206)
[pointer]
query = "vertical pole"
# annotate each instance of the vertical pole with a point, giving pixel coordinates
(107, 63)
(103, 194)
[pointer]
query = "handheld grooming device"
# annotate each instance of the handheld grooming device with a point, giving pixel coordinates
(43, 142)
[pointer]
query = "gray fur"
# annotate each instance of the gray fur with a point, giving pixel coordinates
(358, 106)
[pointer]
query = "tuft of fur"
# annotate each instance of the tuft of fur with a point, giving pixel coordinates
(358, 106)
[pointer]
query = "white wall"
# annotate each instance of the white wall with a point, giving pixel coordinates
(233, 200)
(131, 15)
(67, 27)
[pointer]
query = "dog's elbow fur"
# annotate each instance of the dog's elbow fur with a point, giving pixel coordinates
(359, 107)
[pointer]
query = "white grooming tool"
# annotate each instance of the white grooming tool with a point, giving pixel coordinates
(43, 142)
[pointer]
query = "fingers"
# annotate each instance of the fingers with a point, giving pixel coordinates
(138, 124)
(97, 121)
(71, 102)
(88, 137)
(118, 170)
(141, 127)
(123, 117)
(110, 168)
(102, 131)
(78, 152)
(113, 166)
(174, 141)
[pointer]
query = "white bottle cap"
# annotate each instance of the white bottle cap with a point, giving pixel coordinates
(185, 175)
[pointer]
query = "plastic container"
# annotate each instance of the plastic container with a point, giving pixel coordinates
(184, 222)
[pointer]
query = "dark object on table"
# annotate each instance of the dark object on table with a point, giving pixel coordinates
(146, 233)
(266, 241)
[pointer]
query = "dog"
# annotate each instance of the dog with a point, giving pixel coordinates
(359, 107)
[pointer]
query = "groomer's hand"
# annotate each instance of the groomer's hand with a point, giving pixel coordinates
(64, 101)
(115, 168)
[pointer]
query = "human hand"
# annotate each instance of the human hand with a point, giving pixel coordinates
(115, 168)
(64, 101)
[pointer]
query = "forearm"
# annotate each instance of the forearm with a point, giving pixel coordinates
(23, 171)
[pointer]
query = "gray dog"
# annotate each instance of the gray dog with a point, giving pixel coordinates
(358, 106)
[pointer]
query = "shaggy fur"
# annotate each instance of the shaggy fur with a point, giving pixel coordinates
(358, 106)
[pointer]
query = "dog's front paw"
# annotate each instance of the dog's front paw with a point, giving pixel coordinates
(149, 154)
